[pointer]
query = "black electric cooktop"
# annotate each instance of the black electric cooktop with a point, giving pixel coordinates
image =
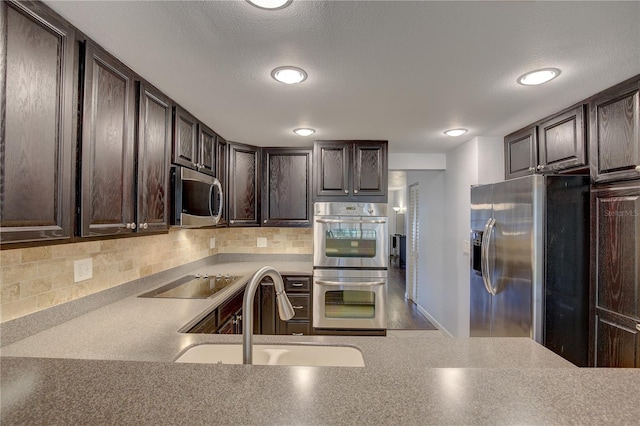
(193, 287)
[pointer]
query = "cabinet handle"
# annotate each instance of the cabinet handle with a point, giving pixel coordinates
(265, 221)
(532, 169)
(143, 226)
(131, 225)
(232, 222)
(297, 334)
(540, 167)
(346, 191)
(297, 307)
(297, 284)
(355, 191)
(638, 327)
(638, 169)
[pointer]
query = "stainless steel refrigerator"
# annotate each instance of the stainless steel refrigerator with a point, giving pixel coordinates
(530, 262)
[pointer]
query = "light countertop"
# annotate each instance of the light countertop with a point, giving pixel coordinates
(114, 365)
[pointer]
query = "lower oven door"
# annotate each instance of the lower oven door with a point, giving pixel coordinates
(349, 299)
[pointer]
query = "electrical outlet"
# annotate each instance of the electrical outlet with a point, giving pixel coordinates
(82, 270)
(262, 242)
(212, 243)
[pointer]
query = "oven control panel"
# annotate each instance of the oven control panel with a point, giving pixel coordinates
(351, 209)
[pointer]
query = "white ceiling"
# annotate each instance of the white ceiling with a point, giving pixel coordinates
(395, 70)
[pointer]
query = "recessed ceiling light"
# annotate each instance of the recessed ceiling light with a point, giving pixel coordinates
(289, 75)
(534, 78)
(455, 132)
(304, 132)
(270, 4)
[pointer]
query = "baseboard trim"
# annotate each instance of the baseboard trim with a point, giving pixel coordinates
(433, 321)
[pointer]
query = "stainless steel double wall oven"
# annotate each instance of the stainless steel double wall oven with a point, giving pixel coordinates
(350, 260)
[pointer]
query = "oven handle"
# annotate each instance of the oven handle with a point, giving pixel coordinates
(350, 221)
(350, 283)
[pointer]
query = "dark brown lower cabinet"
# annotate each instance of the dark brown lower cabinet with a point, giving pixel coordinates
(298, 289)
(227, 318)
(616, 275)
(37, 123)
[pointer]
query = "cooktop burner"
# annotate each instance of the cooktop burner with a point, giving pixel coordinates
(193, 287)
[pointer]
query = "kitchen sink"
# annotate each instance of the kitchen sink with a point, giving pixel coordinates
(193, 287)
(301, 355)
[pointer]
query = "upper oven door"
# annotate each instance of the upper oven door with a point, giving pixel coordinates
(350, 242)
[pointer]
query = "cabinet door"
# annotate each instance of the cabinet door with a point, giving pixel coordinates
(562, 142)
(617, 341)
(268, 310)
(222, 166)
(617, 221)
(207, 150)
(37, 124)
(519, 153)
(154, 142)
(286, 192)
(616, 287)
(108, 202)
(370, 169)
(244, 185)
(185, 139)
(331, 169)
(614, 127)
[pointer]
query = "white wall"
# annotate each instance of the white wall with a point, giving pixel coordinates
(431, 215)
(443, 268)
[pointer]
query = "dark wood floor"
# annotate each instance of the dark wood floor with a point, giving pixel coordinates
(402, 314)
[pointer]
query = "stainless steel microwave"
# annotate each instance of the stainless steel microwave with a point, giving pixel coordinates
(197, 199)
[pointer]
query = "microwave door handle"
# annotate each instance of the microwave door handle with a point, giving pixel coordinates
(350, 221)
(218, 214)
(348, 283)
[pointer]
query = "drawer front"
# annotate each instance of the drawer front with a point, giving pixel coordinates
(297, 284)
(295, 328)
(300, 305)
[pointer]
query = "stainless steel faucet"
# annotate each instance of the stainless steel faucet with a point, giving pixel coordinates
(285, 310)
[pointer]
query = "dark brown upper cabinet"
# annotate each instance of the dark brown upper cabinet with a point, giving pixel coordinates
(350, 171)
(107, 169)
(614, 132)
(286, 192)
(185, 139)
(37, 123)
(554, 144)
(244, 185)
(561, 141)
(615, 249)
(154, 142)
(207, 149)
(194, 144)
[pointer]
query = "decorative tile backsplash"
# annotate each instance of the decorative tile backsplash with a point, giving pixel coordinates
(36, 278)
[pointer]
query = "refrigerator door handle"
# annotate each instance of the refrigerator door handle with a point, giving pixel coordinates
(486, 241)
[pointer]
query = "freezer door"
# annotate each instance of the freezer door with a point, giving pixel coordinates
(480, 299)
(512, 255)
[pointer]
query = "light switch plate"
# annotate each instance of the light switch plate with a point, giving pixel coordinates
(262, 242)
(465, 247)
(82, 270)
(212, 243)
